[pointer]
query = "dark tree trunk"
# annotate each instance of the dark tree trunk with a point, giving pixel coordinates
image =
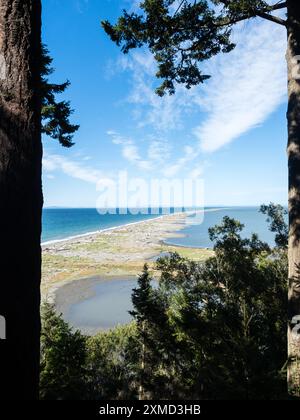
(293, 115)
(20, 196)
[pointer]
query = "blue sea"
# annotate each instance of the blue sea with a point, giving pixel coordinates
(196, 235)
(64, 223)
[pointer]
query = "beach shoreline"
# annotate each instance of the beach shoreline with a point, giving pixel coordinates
(113, 252)
(97, 232)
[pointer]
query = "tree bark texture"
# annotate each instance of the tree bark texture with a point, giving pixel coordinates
(293, 116)
(20, 196)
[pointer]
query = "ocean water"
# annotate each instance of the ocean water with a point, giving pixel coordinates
(196, 235)
(63, 223)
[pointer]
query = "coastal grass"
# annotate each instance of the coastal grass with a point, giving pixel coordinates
(113, 243)
(58, 267)
(194, 254)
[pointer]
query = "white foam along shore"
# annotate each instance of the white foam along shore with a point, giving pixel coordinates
(88, 234)
(97, 232)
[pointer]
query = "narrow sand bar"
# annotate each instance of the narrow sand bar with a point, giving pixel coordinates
(115, 252)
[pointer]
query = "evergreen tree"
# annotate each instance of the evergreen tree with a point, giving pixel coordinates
(112, 364)
(228, 316)
(142, 300)
(276, 215)
(63, 359)
(154, 336)
(55, 115)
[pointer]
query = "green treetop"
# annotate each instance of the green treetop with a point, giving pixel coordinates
(55, 114)
(182, 37)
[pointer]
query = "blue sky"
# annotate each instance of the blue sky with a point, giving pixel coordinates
(230, 132)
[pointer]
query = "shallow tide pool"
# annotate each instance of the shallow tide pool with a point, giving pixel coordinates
(100, 305)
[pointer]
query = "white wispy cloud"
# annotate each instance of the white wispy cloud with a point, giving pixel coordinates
(81, 5)
(170, 170)
(157, 155)
(197, 172)
(162, 114)
(159, 151)
(130, 151)
(71, 168)
(247, 85)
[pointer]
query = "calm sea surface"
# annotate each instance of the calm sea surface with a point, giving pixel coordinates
(197, 235)
(63, 223)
